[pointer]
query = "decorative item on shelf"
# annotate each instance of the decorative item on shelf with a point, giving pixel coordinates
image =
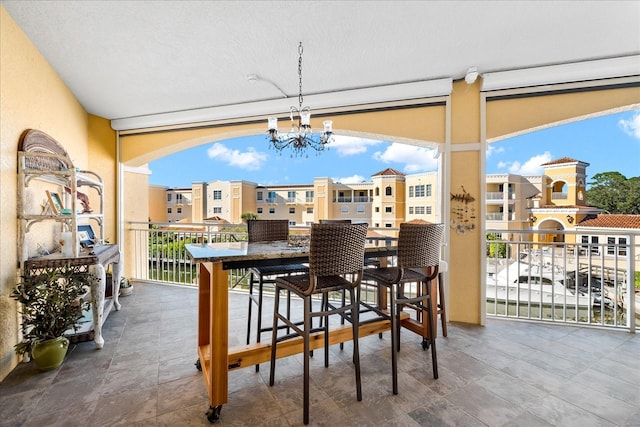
(126, 288)
(86, 236)
(84, 201)
(55, 202)
(301, 135)
(66, 240)
(52, 304)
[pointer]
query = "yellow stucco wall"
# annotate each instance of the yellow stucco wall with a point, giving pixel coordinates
(33, 96)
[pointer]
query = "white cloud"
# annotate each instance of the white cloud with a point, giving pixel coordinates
(632, 126)
(531, 166)
(249, 160)
(491, 149)
(350, 145)
(502, 165)
(415, 159)
(353, 179)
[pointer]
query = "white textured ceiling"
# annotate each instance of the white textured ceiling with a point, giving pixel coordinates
(134, 58)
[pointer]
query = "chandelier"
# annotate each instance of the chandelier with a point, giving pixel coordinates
(301, 136)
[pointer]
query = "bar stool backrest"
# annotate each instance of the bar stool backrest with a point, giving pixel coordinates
(419, 245)
(267, 230)
(336, 249)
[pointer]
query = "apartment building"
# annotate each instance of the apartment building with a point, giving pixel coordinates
(554, 200)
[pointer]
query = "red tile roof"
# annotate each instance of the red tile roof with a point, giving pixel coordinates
(388, 171)
(612, 221)
(560, 161)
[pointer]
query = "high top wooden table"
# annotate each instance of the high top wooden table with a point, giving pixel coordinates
(215, 358)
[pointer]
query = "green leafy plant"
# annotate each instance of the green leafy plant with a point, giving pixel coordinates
(51, 304)
(125, 283)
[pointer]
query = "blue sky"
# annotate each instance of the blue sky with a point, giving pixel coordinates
(607, 143)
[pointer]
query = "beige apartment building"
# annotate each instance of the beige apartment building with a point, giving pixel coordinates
(554, 200)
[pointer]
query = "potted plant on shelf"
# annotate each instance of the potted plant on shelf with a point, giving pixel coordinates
(126, 287)
(52, 303)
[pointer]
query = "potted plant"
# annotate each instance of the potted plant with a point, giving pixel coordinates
(51, 303)
(125, 287)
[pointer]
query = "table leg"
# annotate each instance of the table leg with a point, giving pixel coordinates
(213, 333)
(117, 275)
(97, 301)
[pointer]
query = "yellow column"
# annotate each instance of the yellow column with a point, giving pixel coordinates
(466, 198)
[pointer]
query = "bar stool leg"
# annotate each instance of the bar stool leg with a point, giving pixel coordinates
(441, 304)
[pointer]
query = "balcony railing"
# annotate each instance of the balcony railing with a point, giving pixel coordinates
(563, 281)
(559, 282)
(558, 196)
(495, 195)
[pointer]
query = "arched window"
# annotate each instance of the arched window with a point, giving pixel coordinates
(387, 191)
(377, 192)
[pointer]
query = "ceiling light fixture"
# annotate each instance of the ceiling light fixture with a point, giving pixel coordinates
(471, 76)
(301, 135)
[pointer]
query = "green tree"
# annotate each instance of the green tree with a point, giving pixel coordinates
(248, 215)
(614, 193)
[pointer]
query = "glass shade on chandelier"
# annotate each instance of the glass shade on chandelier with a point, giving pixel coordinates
(301, 136)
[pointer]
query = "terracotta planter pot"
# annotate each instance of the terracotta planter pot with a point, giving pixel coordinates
(49, 354)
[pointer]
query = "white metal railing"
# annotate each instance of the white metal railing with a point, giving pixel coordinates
(561, 282)
(564, 281)
(495, 195)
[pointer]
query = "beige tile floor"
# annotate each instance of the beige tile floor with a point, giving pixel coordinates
(506, 373)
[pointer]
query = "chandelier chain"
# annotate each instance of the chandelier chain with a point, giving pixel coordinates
(300, 100)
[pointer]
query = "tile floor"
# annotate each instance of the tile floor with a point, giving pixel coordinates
(507, 373)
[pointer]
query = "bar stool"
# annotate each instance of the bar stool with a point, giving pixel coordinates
(417, 262)
(266, 231)
(336, 261)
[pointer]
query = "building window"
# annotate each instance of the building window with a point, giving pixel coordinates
(292, 210)
(168, 197)
(621, 245)
(179, 197)
(428, 210)
(410, 210)
(419, 190)
(591, 242)
(419, 210)
(259, 210)
(217, 194)
(388, 225)
(360, 209)
(259, 195)
(292, 223)
(388, 209)
(377, 191)
(291, 196)
(272, 210)
(309, 210)
(387, 191)
(344, 209)
(168, 210)
(377, 225)
(271, 196)
(377, 209)
(411, 191)
(180, 210)
(217, 210)
(308, 196)
(428, 190)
